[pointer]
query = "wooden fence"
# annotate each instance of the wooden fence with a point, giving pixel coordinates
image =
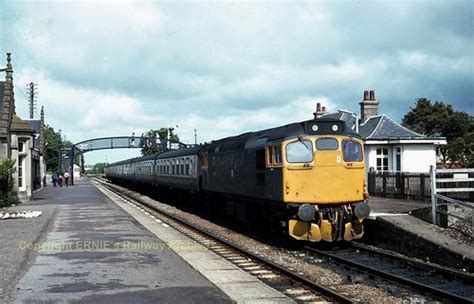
(402, 185)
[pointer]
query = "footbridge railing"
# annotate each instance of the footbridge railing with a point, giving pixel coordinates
(66, 156)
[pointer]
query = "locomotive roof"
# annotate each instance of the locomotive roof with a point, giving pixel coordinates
(249, 140)
(252, 140)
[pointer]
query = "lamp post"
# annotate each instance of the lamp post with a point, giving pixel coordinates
(195, 137)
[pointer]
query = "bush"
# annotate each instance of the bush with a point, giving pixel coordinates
(7, 191)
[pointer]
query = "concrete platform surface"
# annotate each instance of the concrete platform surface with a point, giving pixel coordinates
(96, 253)
(382, 205)
(239, 285)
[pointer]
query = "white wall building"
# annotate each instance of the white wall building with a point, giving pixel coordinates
(389, 146)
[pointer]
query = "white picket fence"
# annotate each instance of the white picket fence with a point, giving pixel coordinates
(457, 209)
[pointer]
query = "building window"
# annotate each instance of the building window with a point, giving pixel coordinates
(21, 166)
(382, 159)
(398, 159)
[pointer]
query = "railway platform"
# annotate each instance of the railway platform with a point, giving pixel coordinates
(85, 248)
(391, 225)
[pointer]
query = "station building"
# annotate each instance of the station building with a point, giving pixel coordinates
(20, 140)
(388, 146)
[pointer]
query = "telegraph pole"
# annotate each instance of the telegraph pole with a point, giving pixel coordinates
(32, 92)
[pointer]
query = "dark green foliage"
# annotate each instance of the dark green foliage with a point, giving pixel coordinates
(98, 168)
(7, 193)
(53, 141)
(439, 119)
(157, 141)
(52, 144)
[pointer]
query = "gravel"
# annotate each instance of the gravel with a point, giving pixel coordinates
(362, 287)
(15, 234)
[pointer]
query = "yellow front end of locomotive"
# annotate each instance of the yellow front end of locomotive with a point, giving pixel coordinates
(331, 180)
(326, 179)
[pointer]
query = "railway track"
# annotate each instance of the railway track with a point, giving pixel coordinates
(289, 282)
(433, 280)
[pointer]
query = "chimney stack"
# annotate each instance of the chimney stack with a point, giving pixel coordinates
(369, 106)
(320, 111)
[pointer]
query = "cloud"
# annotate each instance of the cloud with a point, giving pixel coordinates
(228, 67)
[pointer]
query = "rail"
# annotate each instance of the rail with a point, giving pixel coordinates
(431, 279)
(291, 275)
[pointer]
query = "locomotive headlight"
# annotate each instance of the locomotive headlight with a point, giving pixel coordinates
(335, 128)
(362, 210)
(306, 212)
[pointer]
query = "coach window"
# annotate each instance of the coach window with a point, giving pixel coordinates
(300, 151)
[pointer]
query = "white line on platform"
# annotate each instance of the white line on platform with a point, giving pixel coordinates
(165, 225)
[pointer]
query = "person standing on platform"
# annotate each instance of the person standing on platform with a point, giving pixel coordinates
(66, 178)
(54, 177)
(60, 180)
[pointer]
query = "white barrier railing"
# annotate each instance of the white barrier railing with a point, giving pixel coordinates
(459, 176)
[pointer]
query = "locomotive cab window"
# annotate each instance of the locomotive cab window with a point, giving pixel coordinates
(300, 151)
(327, 144)
(351, 151)
(269, 156)
(277, 154)
(274, 155)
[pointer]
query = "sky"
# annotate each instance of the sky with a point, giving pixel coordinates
(108, 68)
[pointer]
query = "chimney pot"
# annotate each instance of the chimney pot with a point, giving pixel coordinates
(372, 95)
(366, 95)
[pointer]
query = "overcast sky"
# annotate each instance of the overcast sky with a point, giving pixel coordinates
(227, 67)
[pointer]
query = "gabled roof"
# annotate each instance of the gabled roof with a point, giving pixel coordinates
(35, 125)
(19, 125)
(382, 127)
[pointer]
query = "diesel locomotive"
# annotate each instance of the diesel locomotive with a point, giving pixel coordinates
(307, 177)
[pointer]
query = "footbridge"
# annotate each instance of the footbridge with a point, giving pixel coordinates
(66, 156)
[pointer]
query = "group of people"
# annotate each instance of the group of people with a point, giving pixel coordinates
(60, 178)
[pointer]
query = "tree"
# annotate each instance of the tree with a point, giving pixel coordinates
(439, 119)
(52, 143)
(7, 183)
(157, 140)
(99, 168)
